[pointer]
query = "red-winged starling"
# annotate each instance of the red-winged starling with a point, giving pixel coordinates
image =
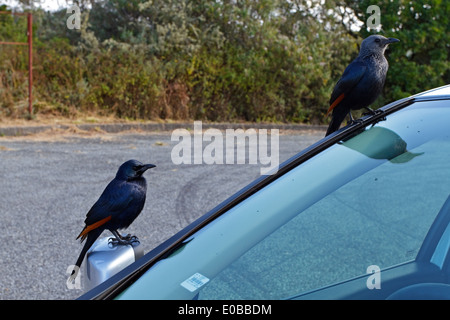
(362, 81)
(120, 203)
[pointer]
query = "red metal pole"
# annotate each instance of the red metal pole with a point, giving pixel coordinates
(30, 54)
(30, 63)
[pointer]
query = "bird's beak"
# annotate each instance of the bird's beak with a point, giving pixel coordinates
(391, 40)
(144, 168)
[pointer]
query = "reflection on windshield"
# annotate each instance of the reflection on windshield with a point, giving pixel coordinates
(368, 200)
(381, 143)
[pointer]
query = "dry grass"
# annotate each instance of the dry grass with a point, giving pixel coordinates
(62, 128)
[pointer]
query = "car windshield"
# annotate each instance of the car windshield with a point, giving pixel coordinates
(368, 200)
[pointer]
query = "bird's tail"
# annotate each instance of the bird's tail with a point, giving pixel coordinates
(91, 237)
(336, 120)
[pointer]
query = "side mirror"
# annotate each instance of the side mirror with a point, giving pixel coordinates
(103, 260)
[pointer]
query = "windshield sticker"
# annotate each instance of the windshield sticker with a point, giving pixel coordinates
(194, 282)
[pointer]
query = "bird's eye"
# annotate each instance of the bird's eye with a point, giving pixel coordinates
(377, 40)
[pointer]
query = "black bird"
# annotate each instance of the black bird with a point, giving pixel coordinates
(120, 203)
(362, 81)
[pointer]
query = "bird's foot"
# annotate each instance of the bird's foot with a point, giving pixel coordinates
(130, 239)
(123, 240)
(371, 112)
(354, 122)
(381, 113)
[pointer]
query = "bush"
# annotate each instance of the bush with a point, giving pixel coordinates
(252, 60)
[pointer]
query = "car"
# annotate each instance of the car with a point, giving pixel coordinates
(362, 214)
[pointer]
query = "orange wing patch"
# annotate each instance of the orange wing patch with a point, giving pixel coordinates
(91, 227)
(335, 103)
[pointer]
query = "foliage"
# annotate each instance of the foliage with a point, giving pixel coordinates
(254, 60)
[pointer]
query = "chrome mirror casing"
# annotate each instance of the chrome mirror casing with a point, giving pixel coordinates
(103, 260)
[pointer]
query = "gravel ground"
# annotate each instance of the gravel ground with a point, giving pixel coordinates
(49, 181)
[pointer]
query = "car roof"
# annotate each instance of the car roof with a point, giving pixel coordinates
(441, 92)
